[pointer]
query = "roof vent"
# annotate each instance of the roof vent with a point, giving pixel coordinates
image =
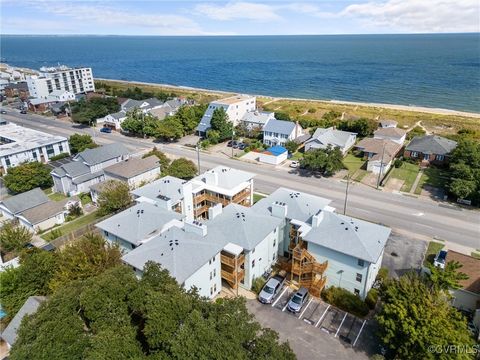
(346, 228)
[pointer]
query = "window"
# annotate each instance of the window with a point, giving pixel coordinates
(60, 148)
(214, 287)
(106, 233)
(7, 161)
(359, 277)
(357, 292)
(426, 156)
(414, 154)
(361, 262)
(274, 242)
(214, 272)
(440, 157)
(274, 256)
(210, 262)
(253, 263)
(211, 275)
(211, 291)
(253, 251)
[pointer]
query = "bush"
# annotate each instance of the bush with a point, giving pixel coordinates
(397, 163)
(59, 156)
(257, 284)
(382, 274)
(372, 298)
(312, 110)
(345, 300)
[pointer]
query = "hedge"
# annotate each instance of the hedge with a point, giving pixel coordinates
(345, 300)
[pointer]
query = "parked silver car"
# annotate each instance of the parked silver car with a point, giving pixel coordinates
(271, 289)
(298, 300)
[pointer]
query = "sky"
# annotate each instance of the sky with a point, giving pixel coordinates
(181, 17)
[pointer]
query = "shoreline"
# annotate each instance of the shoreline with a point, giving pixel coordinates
(419, 109)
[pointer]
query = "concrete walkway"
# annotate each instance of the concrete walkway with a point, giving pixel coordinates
(417, 180)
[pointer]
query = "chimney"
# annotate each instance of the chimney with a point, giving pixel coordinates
(317, 219)
(195, 227)
(214, 211)
(279, 209)
(187, 201)
(211, 178)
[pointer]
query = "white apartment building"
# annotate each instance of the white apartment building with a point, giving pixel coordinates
(19, 144)
(235, 106)
(74, 80)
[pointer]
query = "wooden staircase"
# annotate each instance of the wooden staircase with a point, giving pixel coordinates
(307, 272)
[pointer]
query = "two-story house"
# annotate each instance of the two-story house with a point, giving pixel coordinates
(278, 132)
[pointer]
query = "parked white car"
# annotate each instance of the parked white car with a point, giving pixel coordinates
(294, 164)
(440, 259)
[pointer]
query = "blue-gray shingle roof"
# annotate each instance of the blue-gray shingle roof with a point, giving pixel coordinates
(102, 153)
(432, 144)
(279, 126)
(24, 201)
(168, 187)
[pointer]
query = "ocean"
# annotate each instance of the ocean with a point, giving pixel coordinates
(438, 70)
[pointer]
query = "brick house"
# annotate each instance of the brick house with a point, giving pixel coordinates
(430, 149)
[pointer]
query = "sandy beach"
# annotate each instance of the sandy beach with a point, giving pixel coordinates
(420, 109)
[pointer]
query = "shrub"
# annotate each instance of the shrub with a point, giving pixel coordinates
(59, 156)
(55, 233)
(257, 284)
(372, 298)
(312, 110)
(382, 274)
(397, 163)
(345, 300)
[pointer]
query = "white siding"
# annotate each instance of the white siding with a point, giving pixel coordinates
(201, 278)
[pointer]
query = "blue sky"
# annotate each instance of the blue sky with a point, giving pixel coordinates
(238, 17)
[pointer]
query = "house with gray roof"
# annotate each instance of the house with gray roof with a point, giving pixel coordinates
(350, 250)
(113, 121)
(322, 138)
(278, 132)
(14, 205)
(138, 225)
(432, 149)
(31, 305)
(134, 171)
(87, 168)
(256, 119)
(47, 215)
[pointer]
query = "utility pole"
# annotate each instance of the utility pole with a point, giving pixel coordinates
(198, 155)
(143, 125)
(233, 134)
(346, 195)
(381, 167)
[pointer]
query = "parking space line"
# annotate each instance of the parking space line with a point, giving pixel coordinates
(341, 324)
(285, 306)
(305, 308)
(323, 315)
(283, 292)
(364, 321)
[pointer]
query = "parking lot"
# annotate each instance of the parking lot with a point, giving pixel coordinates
(341, 333)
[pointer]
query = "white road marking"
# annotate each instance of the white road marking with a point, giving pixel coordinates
(418, 214)
(323, 315)
(285, 306)
(341, 324)
(364, 321)
(283, 292)
(305, 308)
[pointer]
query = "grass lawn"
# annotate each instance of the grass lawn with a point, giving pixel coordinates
(360, 174)
(56, 196)
(432, 250)
(434, 177)
(353, 163)
(72, 225)
(257, 197)
(85, 199)
(475, 254)
(408, 173)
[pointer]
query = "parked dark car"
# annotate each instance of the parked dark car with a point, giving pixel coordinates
(3, 111)
(242, 146)
(23, 111)
(271, 289)
(232, 143)
(106, 130)
(298, 300)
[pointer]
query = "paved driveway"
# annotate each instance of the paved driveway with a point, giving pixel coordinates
(403, 254)
(314, 342)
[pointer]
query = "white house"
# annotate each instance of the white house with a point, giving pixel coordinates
(235, 107)
(278, 132)
(134, 171)
(113, 121)
(61, 95)
(19, 144)
(256, 119)
(322, 138)
(87, 168)
(351, 250)
(274, 155)
(388, 123)
(390, 133)
(74, 80)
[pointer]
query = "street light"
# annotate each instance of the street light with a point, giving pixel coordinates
(381, 167)
(233, 134)
(346, 195)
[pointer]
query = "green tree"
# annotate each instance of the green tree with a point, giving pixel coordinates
(182, 168)
(30, 278)
(414, 317)
(164, 160)
(13, 237)
(190, 116)
(282, 116)
(291, 146)
(219, 122)
(114, 196)
(84, 258)
(363, 127)
(447, 278)
(328, 161)
(28, 176)
(213, 136)
(462, 189)
(79, 142)
(116, 316)
(141, 124)
(169, 129)
(88, 111)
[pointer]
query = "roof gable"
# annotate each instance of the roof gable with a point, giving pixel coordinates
(27, 200)
(101, 154)
(279, 126)
(432, 144)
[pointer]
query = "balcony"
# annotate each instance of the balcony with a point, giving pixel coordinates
(231, 278)
(230, 260)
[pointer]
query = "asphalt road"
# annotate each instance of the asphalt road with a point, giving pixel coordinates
(415, 216)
